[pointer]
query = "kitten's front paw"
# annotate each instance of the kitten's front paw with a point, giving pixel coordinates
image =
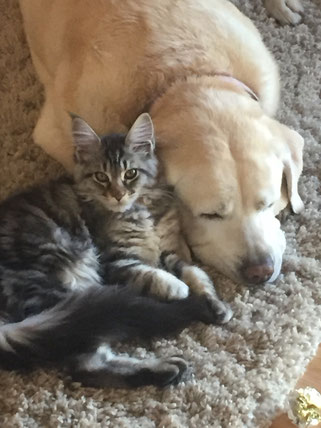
(200, 283)
(220, 312)
(198, 280)
(169, 287)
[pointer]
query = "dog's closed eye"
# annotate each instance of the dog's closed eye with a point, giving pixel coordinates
(262, 205)
(212, 216)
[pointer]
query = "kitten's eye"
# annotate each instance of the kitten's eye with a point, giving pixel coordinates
(101, 177)
(130, 174)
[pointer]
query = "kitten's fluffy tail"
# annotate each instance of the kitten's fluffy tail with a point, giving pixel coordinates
(80, 323)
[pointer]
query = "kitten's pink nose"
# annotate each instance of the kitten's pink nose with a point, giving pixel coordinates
(119, 195)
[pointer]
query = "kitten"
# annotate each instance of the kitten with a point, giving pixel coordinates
(94, 260)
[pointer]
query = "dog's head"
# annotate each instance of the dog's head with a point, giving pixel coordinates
(234, 169)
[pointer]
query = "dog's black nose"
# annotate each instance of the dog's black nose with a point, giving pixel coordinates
(258, 272)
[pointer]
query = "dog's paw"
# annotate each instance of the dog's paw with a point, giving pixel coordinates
(285, 11)
(295, 5)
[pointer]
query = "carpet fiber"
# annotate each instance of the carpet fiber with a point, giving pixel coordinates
(242, 372)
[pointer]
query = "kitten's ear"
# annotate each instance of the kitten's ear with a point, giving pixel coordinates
(86, 141)
(141, 135)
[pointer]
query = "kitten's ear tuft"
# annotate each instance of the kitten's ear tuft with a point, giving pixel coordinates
(141, 135)
(86, 141)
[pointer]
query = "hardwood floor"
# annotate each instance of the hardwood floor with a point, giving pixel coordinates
(312, 377)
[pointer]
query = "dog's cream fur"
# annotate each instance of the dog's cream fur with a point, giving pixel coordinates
(109, 60)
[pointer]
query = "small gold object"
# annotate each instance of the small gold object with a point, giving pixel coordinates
(305, 407)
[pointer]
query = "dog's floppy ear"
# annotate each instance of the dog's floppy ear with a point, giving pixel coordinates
(291, 155)
(293, 164)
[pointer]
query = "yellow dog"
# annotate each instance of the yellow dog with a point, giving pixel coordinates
(211, 86)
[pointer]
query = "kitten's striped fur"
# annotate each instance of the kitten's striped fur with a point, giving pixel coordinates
(94, 260)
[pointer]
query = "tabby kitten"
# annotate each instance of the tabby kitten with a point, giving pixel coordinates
(94, 260)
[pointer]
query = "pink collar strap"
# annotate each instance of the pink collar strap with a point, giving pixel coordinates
(228, 78)
(223, 76)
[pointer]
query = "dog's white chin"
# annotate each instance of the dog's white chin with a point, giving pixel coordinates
(278, 258)
(226, 250)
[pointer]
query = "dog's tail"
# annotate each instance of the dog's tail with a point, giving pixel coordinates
(81, 322)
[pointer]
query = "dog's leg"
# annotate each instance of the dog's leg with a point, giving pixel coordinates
(105, 369)
(49, 135)
(285, 11)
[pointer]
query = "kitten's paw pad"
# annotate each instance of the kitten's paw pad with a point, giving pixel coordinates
(221, 312)
(161, 372)
(170, 370)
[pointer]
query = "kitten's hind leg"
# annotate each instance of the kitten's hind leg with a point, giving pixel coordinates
(105, 369)
(199, 282)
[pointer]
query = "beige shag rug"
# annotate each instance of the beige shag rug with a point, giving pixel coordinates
(242, 372)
